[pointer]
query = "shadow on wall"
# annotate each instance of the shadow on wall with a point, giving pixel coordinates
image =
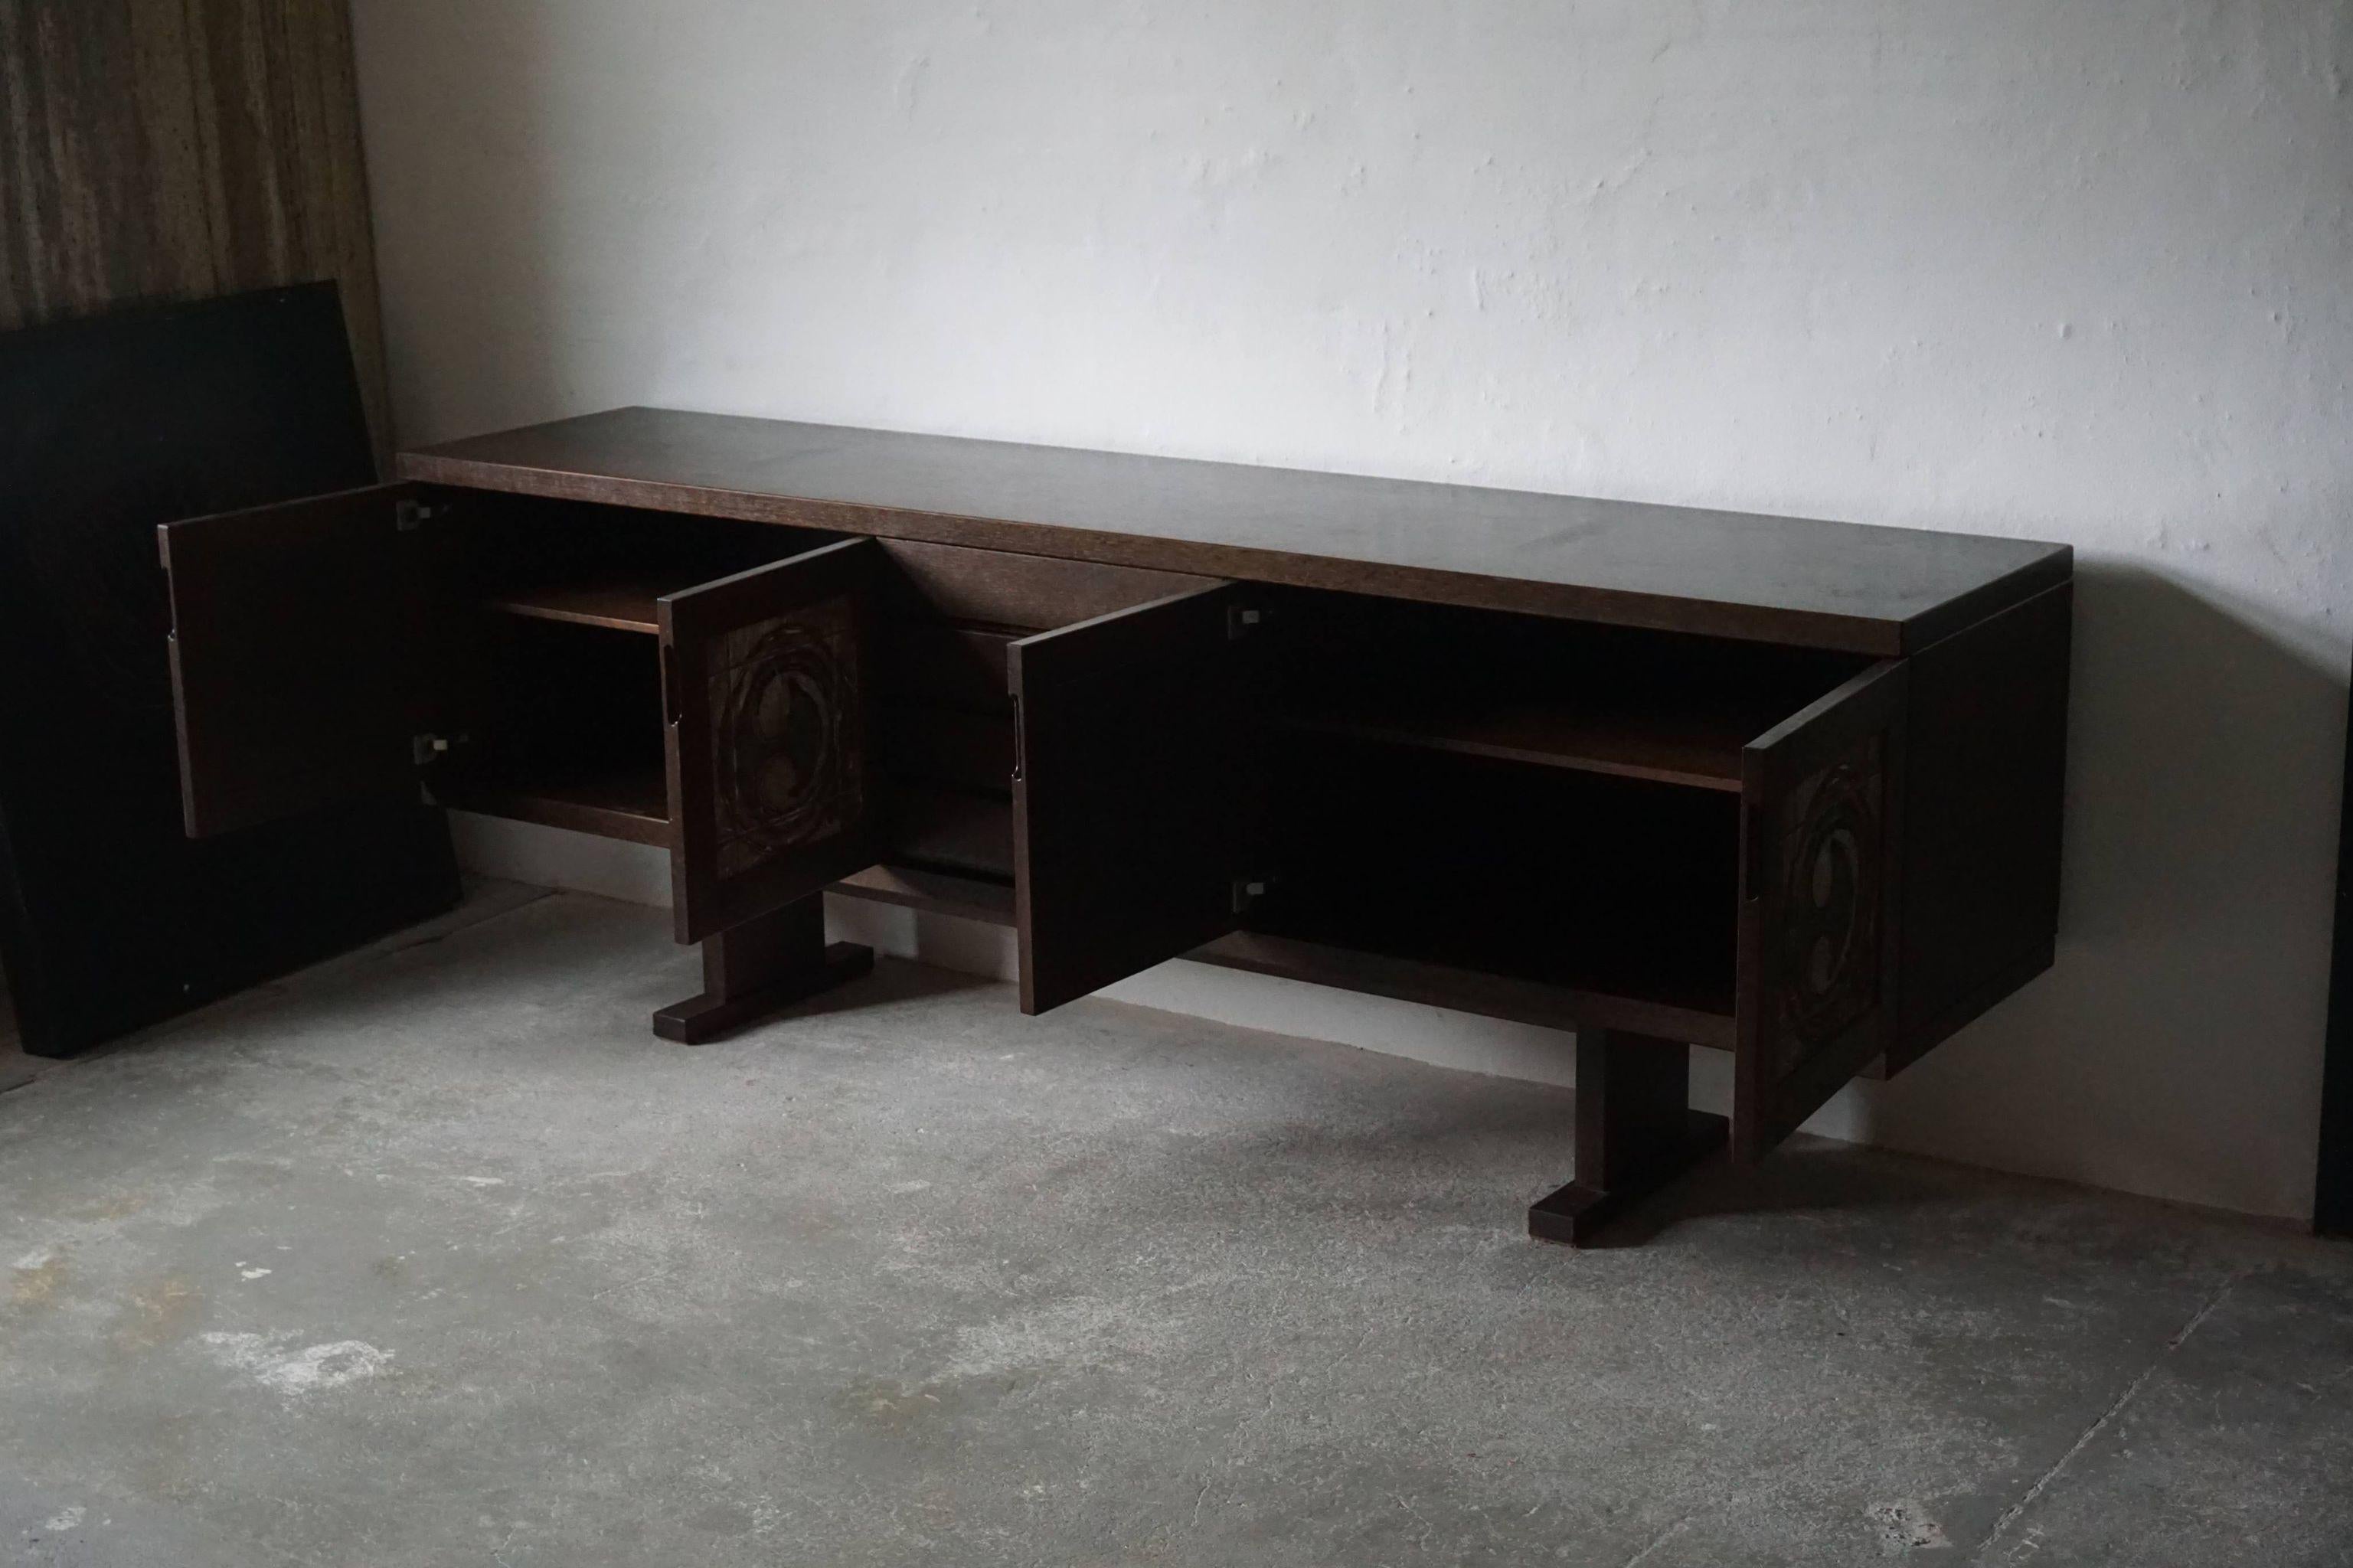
(2189, 994)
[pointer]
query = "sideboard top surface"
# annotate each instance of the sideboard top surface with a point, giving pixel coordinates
(1862, 588)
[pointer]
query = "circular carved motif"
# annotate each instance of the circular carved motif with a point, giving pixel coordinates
(1829, 907)
(780, 737)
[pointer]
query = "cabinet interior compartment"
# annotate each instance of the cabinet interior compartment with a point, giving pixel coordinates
(559, 724)
(544, 623)
(947, 618)
(575, 564)
(944, 742)
(1591, 882)
(1665, 707)
(1544, 800)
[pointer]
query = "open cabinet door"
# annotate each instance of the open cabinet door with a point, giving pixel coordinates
(1818, 904)
(1131, 793)
(767, 677)
(294, 652)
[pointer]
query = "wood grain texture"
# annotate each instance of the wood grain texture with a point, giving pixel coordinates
(180, 149)
(1795, 581)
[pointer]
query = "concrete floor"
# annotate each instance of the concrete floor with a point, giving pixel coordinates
(438, 1257)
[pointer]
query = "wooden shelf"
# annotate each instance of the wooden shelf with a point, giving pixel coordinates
(935, 892)
(1672, 1015)
(1697, 747)
(623, 603)
(610, 802)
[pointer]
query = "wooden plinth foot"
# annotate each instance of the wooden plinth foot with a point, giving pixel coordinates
(1635, 1133)
(759, 968)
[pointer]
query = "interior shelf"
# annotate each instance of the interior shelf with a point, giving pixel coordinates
(1626, 703)
(935, 892)
(1697, 746)
(1697, 1016)
(609, 800)
(621, 602)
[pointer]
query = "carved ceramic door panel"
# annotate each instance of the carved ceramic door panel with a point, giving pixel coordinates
(1821, 850)
(766, 684)
(295, 655)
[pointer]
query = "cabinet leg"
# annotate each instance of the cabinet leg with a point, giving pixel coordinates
(1635, 1132)
(760, 967)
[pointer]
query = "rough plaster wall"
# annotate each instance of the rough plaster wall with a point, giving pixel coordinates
(2068, 271)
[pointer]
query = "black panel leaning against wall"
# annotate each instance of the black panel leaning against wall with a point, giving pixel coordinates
(110, 917)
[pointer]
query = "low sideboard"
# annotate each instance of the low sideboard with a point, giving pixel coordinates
(1667, 777)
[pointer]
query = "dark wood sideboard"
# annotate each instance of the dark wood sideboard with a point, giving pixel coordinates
(1668, 777)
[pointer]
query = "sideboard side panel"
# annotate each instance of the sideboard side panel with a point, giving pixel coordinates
(1988, 744)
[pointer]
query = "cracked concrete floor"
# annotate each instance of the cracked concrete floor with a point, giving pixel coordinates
(438, 1257)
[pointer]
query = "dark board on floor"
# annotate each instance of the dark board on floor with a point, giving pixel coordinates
(110, 917)
(2332, 1211)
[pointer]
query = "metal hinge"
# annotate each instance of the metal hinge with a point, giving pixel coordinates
(1247, 890)
(408, 516)
(1241, 620)
(423, 749)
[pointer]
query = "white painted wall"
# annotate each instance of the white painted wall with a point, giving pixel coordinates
(2068, 271)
